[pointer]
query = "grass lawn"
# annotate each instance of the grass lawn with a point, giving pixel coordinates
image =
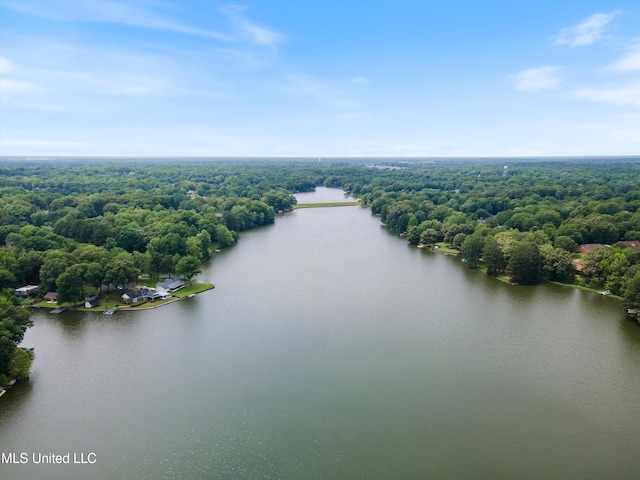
(195, 288)
(112, 300)
(443, 247)
(586, 289)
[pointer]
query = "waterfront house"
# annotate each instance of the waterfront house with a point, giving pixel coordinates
(27, 291)
(170, 285)
(136, 296)
(91, 301)
(51, 297)
(161, 295)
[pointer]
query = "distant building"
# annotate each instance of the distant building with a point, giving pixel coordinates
(91, 301)
(27, 291)
(135, 296)
(51, 297)
(630, 243)
(170, 285)
(505, 171)
(587, 247)
(144, 293)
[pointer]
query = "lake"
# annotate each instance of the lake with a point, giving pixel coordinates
(330, 348)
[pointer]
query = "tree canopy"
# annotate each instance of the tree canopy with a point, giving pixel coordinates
(66, 224)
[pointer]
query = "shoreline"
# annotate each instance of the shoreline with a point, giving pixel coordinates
(145, 306)
(502, 278)
(131, 308)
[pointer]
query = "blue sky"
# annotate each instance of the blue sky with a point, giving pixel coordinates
(319, 78)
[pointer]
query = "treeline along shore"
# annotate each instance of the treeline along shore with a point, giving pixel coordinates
(74, 229)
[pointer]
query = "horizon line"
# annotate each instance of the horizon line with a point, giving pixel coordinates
(319, 157)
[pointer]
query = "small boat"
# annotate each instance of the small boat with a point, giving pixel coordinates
(605, 292)
(58, 310)
(217, 250)
(109, 312)
(191, 295)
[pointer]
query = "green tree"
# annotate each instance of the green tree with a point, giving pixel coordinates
(557, 263)
(55, 263)
(525, 263)
(458, 240)
(601, 229)
(430, 237)
(95, 275)
(70, 286)
(205, 243)
(492, 256)
(7, 279)
(14, 321)
(20, 364)
(614, 271)
(28, 266)
(156, 260)
(632, 293)
(194, 248)
(566, 243)
(223, 236)
(279, 199)
(142, 261)
(7, 259)
(414, 235)
(471, 249)
(592, 261)
(188, 267)
(130, 238)
(121, 271)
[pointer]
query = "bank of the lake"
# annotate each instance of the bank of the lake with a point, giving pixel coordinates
(443, 248)
(331, 349)
(109, 301)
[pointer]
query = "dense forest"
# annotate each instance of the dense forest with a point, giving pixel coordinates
(68, 225)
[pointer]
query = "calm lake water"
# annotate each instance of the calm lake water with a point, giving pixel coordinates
(332, 349)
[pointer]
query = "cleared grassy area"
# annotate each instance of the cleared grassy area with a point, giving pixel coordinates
(443, 247)
(326, 204)
(195, 288)
(112, 300)
(586, 289)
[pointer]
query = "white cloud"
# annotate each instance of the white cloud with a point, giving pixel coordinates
(110, 12)
(588, 32)
(16, 86)
(6, 65)
(539, 78)
(627, 94)
(630, 62)
(255, 33)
